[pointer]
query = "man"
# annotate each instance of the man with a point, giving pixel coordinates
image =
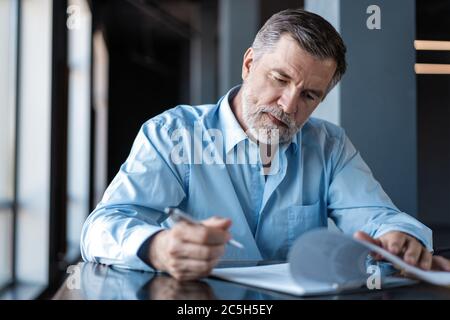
(306, 170)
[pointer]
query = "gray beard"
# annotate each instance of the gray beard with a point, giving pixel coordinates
(261, 127)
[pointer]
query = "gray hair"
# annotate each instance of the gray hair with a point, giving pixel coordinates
(313, 33)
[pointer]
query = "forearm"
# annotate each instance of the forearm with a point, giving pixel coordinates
(357, 202)
(114, 234)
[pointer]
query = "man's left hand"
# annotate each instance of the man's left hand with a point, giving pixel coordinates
(401, 244)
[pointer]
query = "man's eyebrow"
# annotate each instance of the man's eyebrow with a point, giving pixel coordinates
(282, 73)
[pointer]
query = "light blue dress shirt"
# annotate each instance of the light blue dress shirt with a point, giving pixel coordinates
(319, 175)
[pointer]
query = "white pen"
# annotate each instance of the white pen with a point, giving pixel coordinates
(178, 215)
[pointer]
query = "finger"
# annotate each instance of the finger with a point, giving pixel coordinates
(425, 260)
(440, 264)
(200, 252)
(360, 235)
(217, 222)
(200, 234)
(413, 252)
(394, 242)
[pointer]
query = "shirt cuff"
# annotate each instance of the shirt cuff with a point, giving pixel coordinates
(134, 243)
(143, 252)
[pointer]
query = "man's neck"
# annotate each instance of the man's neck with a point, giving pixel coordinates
(236, 108)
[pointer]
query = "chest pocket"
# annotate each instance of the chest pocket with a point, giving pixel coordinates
(304, 218)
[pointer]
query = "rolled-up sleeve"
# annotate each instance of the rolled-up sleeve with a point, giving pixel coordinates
(356, 201)
(131, 209)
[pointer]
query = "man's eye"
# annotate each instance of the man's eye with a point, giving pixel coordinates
(279, 80)
(310, 96)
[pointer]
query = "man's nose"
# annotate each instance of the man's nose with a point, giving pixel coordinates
(288, 102)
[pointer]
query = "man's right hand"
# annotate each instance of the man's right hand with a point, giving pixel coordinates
(188, 251)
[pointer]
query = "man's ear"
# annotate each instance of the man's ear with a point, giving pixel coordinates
(247, 63)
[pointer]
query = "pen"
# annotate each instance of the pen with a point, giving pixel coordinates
(178, 215)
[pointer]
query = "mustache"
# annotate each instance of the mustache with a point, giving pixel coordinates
(279, 114)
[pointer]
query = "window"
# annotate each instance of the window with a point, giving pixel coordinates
(25, 65)
(79, 60)
(33, 141)
(8, 42)
(44, 113)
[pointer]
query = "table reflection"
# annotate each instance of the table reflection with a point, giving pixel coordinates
(111, 283)
(90, 281)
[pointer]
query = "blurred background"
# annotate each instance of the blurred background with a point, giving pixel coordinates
(79, 77)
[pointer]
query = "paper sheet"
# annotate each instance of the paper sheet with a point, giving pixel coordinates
(322, 262)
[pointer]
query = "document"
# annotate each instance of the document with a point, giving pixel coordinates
(326, 262)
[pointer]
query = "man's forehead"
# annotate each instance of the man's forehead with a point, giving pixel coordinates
(318, 69)
(290, 60)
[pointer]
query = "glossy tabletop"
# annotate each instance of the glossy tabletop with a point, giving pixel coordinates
(89, 281)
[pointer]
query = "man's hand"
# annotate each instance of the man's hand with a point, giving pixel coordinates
(189, 252)
(403, 245)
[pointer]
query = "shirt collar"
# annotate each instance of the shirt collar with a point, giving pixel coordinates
(232, 130)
